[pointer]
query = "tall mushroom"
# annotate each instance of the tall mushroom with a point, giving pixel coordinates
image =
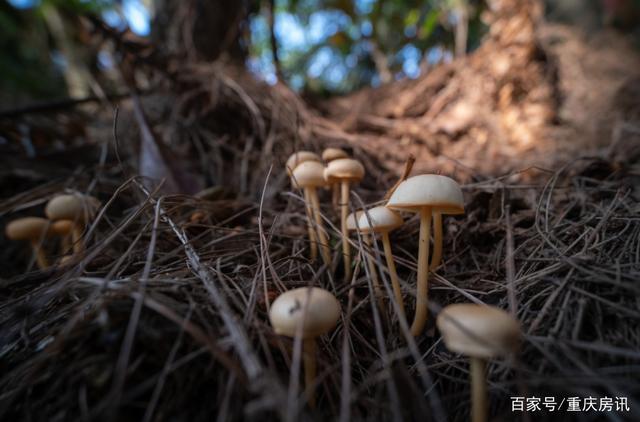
(298, 158)
(381, 220)
(425, 194)
(329, 155)
(33, 229)
(480, 332)
(309, 176)
(294, 161)
(345, 171)
(309, 312)
(76, 208)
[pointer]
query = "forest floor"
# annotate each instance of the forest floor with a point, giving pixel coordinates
(164, 315)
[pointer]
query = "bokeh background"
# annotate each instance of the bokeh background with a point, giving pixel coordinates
(317, 47)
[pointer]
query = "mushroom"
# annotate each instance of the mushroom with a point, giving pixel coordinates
(64, 229)
(309, 312)
(32, 229)
(298, 158)
(345, 171)
(329, 155)
(294, 161)
(309, 176)
(480, 332)
(76, 208)
(381, 220)
(425, 194)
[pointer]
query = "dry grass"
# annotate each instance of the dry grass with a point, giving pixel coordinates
(166, 319)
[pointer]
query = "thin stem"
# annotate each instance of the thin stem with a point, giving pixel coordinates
(76, 237)
(422, 296)
(41, 259)
(344, 210)
(310, 369)
(335, 196)
(322, 236)
(478, 390)
(372, 270)
(393, 275)
(436, 258)
(313, 243)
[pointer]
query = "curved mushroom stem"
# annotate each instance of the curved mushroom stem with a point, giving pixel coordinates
(313, 245)
(420, 318)
(393, 275)
(322, 236)
(41, 259)
(76, 238)
(437, 241)
(309, 358)
(377, 291)
(344, 210)
(478, 390)
(335, 196)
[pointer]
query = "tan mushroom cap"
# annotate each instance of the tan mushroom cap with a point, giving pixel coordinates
(27, 228)
(478, 330)
(344, 169)
(331, 154)
(441, 193)
(298, 158)
(287, 312)
(61, 227)
(308, 174)
(71, 207)
(382, 219)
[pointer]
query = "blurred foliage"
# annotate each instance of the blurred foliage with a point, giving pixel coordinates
(324, 47)
(329, 46)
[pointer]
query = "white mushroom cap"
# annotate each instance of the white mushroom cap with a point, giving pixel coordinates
(308, 174)
(288, 311)
(344, 169)
(27, 228)
(441, 193)
(478, 330)
(382, 219)
(72, 207)
(331, 154)
(298, 158)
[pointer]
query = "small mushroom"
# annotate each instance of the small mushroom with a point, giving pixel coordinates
(294, 161)
(298, 158)
(33, 229)
(381, 220)
(345, 171)
(77, 208)
(64, 229)
(425, 194)
(480, 332)
(309, 312)
(329, 155)
(309, 176)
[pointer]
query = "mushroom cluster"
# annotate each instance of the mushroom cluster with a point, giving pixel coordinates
(67, 216)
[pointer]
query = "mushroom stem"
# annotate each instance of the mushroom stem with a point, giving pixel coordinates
(478, 390)
(313, 245)
(420, 318)
(322, 236)
(309, 358)
(377, 291)
(76, 237)
(344, 209)
(41, 259)
(393, 275)
(335, 196)
(437, 241)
